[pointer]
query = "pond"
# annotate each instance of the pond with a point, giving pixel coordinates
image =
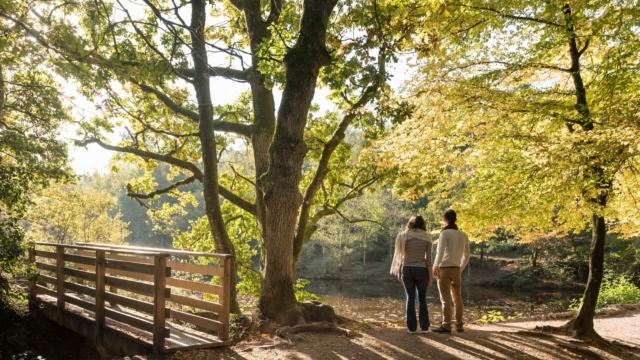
(383, 301)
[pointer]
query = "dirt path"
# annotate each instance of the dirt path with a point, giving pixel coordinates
(498, 341)
(625, 329)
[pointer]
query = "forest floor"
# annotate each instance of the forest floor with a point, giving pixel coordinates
(513, 340)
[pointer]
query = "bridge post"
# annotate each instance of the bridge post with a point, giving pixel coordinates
(60, 302)
(100, 293)
(226, 298)
(32, 280)
(159, 303)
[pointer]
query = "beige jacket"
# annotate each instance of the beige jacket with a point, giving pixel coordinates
(453, 249)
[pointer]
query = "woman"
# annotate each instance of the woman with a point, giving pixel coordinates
(412, 264)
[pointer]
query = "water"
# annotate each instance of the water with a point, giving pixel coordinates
(383, 301)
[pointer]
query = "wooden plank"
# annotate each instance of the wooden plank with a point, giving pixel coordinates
(130, 285)
(130, 258)
(86, 260)
(125, 273)
(159, 303)
(39, 289)
(80, 274)
(130, 274)
(45, 254)
(195, 286)
(225, 299)
(100, 296)
(87, 305)
(213, 270)
(136, 322)
(48, 279)
(199, 321)
(46, 267)
(196, 303)
(130, 266)
(80, 289)
(136, 304)
(60, 258)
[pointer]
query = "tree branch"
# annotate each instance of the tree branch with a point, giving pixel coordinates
(144, 154)
(237, 200)
(511, 16)
(197, 173)
(229, 73)
(329, 148)
(165, 190)
(219, 125)
(356, 220)
(510, 65)
(274, 11)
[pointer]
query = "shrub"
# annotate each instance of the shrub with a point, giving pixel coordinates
(302, 294)
(618, 290)
(615, 290)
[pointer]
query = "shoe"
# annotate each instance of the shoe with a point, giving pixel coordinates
(410, 332)
(424, 331)
(442, 330)
(460, 330)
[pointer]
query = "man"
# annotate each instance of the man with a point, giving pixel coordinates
(452, 256)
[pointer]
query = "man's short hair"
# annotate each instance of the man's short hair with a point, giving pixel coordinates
(451, 216)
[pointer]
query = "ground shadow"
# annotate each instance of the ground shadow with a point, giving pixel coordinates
(393, 343)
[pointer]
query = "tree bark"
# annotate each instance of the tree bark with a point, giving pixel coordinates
(282, 197)
(208, 142)
(582, 325)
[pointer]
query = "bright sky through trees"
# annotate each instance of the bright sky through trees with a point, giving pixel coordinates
(93, 158)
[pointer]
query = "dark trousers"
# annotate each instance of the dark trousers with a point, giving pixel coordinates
(415, 280)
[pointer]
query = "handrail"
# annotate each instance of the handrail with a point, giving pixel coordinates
(119, 250)
(174, 252)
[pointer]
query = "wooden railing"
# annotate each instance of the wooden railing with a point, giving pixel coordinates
(149, 286)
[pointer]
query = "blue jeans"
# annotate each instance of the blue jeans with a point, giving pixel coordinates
(415, 279)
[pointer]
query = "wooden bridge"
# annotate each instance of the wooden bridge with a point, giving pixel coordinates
(134, 300)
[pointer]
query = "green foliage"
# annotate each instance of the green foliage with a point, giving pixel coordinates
(363, 233)
(498, 135)
(618, 289)
(244, 238)
(492, 316)
(11, 235)
(303, 295)
(82, 212)
(31, 114)
(615, 290)
(502, 241)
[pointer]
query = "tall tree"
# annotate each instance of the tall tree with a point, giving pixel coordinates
(144, 63)
(532, 119)
(31, 113)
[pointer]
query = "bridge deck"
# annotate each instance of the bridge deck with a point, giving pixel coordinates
(180, 337)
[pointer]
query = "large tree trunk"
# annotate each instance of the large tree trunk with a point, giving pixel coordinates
(208, 142)
(582, 325)
(282, 197)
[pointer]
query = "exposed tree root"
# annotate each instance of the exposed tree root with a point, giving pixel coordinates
(625, 351)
